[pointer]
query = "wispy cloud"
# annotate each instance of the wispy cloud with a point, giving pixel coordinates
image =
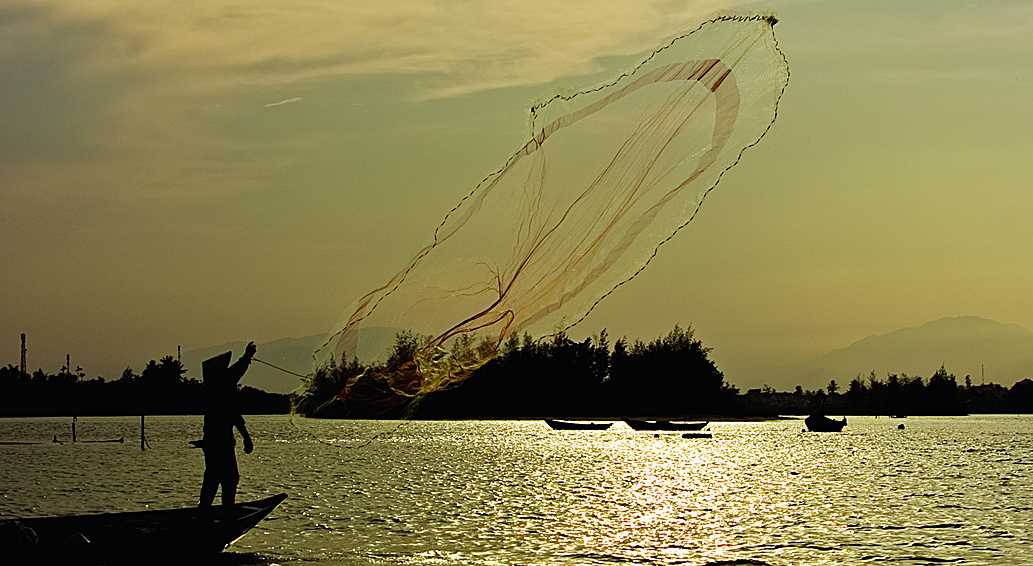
(151, 89)
(478, 44)
(282, 102)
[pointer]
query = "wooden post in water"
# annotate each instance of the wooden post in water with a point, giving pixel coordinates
(68, 368)
(143, 439)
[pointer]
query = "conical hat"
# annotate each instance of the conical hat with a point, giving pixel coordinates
(215, 367)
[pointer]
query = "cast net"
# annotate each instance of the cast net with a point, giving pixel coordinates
(607, 175)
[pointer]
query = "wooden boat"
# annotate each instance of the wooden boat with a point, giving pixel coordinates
(665, 425)
(578, 425)
(697, 435)
(137, 536)
(821, 423)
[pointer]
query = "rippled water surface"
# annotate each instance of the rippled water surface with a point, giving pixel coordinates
(954, 490)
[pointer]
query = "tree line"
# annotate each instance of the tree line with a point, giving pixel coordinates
(161, 388)
(669, 377)
(897, 394)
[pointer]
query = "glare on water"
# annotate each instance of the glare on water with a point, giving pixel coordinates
(516, 492)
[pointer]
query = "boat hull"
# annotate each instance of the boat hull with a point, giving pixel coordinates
(665, 425)
(819, 423)
(139, 535)
(579, 425)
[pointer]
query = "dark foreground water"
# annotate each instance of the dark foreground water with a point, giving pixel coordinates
(943, 490)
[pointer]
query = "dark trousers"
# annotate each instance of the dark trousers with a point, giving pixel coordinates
(220, 468)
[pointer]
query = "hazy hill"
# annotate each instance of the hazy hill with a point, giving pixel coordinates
(962, 344)
(294, 354)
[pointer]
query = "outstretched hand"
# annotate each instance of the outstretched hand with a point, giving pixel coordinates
(250, 350)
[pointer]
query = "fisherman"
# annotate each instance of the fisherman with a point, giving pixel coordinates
(221, 416)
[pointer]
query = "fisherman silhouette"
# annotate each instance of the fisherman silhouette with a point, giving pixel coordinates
(221, 416)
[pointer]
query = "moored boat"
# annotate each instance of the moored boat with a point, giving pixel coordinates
(665, 425)
(697, 435)
(133, 536)
(576, 425)
(821, 423)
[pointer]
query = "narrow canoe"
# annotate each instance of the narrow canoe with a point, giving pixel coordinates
(665, 425)
(579, 425)
(134, 536)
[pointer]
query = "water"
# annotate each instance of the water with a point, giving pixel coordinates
(954, 490)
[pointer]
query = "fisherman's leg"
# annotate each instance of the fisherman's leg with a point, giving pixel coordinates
(210, 483)
(230, 479)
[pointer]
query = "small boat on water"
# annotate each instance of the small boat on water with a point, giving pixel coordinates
(821, 423)
(665, 425)
(697, 435)
(137, 536)
(576, 425)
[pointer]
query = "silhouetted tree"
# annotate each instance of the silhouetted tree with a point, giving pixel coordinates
(1020, 397)
(942, 393)
(162, 391)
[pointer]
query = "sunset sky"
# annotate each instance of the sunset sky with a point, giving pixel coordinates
(194, 173)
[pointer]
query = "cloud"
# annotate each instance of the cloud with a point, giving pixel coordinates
(155, 96)
(478, 44)
(282, 102)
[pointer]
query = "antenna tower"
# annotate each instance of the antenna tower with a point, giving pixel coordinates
(23, 355)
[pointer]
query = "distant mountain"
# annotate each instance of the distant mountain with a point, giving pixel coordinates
(964, 345)
(294, 354)
(961, 344)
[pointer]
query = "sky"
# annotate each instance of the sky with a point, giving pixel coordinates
(194, 173)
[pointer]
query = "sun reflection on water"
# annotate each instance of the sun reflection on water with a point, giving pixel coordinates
(491, 492)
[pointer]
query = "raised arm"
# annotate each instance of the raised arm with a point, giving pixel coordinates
(236, 371)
